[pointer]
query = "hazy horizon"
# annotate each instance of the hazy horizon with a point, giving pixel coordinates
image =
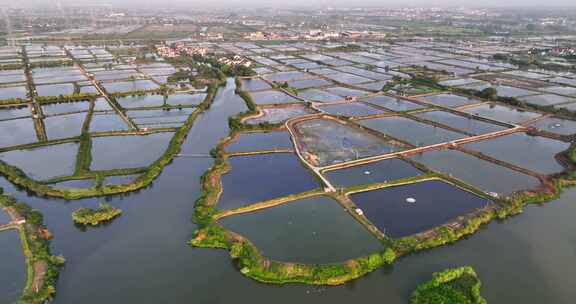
(293, 3)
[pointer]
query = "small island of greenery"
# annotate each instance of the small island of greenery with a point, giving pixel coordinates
(87, 216)
(451, 286)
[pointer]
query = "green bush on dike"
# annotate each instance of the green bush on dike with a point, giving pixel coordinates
(452, 286)
(94, 217)
(36, 246)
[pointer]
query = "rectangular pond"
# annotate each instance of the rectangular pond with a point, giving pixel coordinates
(313, 230)
(556, 125)
(377, 172)
(272, 97)
(128, 151)
(105, 122)
(355, 109)
(449, 100)
(44, 162)
(319, 96)
(263, 177)
(279, 114)
(462, 123)
(258, 141)
(411, 131)
(62, 108)
(141, 101)
(484, 175)
(17, 132)
(326, 141)
(502, 113)
(436, 203)
(64, 126)
(530, 152)
(393, 104)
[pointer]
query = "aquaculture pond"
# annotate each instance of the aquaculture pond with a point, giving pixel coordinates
(113, 87)
(10, 113)
(105, 122)
(120, 179)
(55, 89)
(185, 99)
(44, 162)
(319, 96)
(183, 273)
(392, 103)
(377, 172)
(260, 141)
(129, 151)
(502, 113)
(462, 123)
(13, 92)
(12, 266)
(159, 117)
(64, 126)
(546, 99)
(17, 132)
(531, 152)
(141, 101)
(449, 100)
(4, 218)
(484, 175)
(308, 83)
(272, 97)
(436, 203)
(254, 85)
(263, 177)
(72, 184)
(343, 91)
(62, 108)
(411, 131)
(354, 109)
(556, 125)
(279, 114)
(312, 230)
(327, 141)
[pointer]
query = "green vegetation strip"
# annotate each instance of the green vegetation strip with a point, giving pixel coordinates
(42, 268)
(451, 286)
(94, 217)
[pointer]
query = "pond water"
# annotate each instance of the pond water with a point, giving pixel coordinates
(55, 89)
(326, 141)
(377, 172)
(159, 117)
(12, 266)
(536, 242)
(129, 151)
(355, 109)
(462, 123)
(279, 115)
(308, 83)
(502, 113)
(343, 91)
(530, 152)
(61, 108)
(186, 99)
(312, 230)
(13, 92)
(17, 132)
(64, 126)
(346, 78)
(81, 183)
(141, 101)
(114, 87)
(263, 177)
(546, 99)
(285, 76)
(319, 95)
(411, 131)
(477, 172)
(120, 179)
(394, 104)
(556, 125)
(44, 162)
(257, 141)
(103, 122)
(4, 218)
(449, 100)
(436, 203)
(254, 85)
(10, 113)
(272, 97)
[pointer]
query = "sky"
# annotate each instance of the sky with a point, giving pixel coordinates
(304, 3)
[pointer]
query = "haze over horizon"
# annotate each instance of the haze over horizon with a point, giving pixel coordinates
(293, 3)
